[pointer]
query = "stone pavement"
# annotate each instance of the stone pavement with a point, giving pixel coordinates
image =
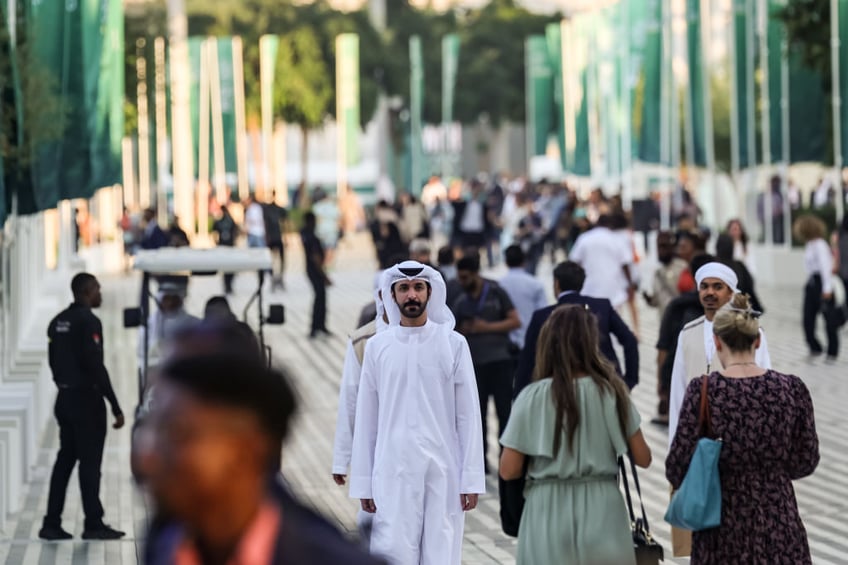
(316, 369)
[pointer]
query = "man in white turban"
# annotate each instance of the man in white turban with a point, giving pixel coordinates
(695, 356)
(417, 458)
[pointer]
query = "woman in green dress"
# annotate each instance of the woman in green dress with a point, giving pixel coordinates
(573, 422)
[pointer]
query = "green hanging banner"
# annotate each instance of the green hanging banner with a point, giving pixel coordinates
(195, 48)
(416, 105)
(743, 61)
(580, 42)
(347, 92)
(650, 136)
(539, 94)
(227, 90)
(450, 66)
(553, 36)
(104, 90)
(696, 105)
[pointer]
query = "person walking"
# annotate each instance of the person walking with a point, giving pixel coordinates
(765, 419)
(314, 251)
(254, 222)
(226, 231)
(606, 261)
(695, 354)
(485, 316)
(153, 236)
(75, 353)
(569, 278)
(275, 217)
(818, 292)
(664, 283)
(417, 459)
(526, 292)
(572, 423)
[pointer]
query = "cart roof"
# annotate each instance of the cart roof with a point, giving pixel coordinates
(186, 259)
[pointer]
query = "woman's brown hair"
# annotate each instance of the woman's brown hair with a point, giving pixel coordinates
(808, 227)
(568, 350)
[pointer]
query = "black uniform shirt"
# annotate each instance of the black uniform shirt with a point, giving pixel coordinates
(76, 353)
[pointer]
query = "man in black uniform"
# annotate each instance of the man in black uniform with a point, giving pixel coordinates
(275, 217)
(76, 359)
(314, 251)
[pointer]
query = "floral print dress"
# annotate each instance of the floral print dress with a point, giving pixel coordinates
(769, 439)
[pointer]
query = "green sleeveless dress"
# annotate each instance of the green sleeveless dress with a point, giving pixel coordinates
(574, 511)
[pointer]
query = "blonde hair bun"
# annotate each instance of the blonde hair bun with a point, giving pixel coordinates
(736, 323)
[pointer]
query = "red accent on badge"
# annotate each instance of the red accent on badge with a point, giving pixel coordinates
(96, 338)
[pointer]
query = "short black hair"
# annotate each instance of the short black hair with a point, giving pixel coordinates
(724, 247)
(81, 283)
(445, 255)
(570, 276)
(309, 219)
(699, 261)
(469, 263)
(514, 256)
(237, 381)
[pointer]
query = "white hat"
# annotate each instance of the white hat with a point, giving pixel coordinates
(437, 309)
(381, 308)
(719, 271)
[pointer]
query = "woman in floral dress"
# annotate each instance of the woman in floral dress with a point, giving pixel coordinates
(766, 424)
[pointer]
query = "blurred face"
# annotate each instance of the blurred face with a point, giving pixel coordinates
(196, 453)
(713, 293)
(665, 249)
(686, 249)
(96, 298)
(412, 297)
(735, 231)
(468, 280)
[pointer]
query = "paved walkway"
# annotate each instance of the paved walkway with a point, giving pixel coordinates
(316, 366)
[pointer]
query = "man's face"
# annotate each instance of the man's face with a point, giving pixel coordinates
(198, 452)
(412, 297)
(714, 293)
(171, 303)
(95, 297)
(665, 249)
(468, 280)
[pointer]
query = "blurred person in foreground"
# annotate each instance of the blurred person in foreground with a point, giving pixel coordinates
(573, 422)
(765, 419)
(215, 438)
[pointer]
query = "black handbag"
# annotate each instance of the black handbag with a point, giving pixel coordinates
(648, 551)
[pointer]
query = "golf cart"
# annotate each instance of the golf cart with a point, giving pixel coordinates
(181, 263)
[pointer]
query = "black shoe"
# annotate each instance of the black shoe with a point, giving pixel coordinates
(326, 332)
(104, 532)
(53, 533)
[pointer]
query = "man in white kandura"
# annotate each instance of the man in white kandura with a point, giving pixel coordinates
(417, 459)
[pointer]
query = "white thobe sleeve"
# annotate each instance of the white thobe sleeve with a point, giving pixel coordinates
(347, 411)
(677, 391)
(472, 478)
(761, 356)
(365, 430)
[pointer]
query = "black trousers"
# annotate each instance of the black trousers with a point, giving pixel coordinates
(82, 432)
(813, 305)
(278, 254)
(319, 306)
(495, 379)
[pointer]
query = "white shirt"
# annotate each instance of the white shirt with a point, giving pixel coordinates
(819, 261)
(601, 253)
(527, 294)
(254, 221)
(472, 219)
(347, 411)
(682, 375)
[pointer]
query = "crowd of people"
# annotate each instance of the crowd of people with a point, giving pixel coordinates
(436, 343)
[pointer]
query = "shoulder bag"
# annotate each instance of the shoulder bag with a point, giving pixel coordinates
(697, 503)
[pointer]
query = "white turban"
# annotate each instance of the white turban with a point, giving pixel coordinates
(717, 271)
(437, 309)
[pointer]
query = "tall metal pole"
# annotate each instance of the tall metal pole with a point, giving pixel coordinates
(785, 140)
(145, 199)
(765, 108)
(668, 112)
(161, 125)
(377, 12)
(709, 145)
(835, 47)
(181, 115)
(241, 118)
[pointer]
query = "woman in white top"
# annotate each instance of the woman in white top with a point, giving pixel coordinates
(818, 292)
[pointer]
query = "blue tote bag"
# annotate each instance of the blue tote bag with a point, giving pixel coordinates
(697, 503)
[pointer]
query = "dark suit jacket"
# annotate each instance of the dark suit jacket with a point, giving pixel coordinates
(305, 538)
(609, 323)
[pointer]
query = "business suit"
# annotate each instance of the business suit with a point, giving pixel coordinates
(609, 323)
